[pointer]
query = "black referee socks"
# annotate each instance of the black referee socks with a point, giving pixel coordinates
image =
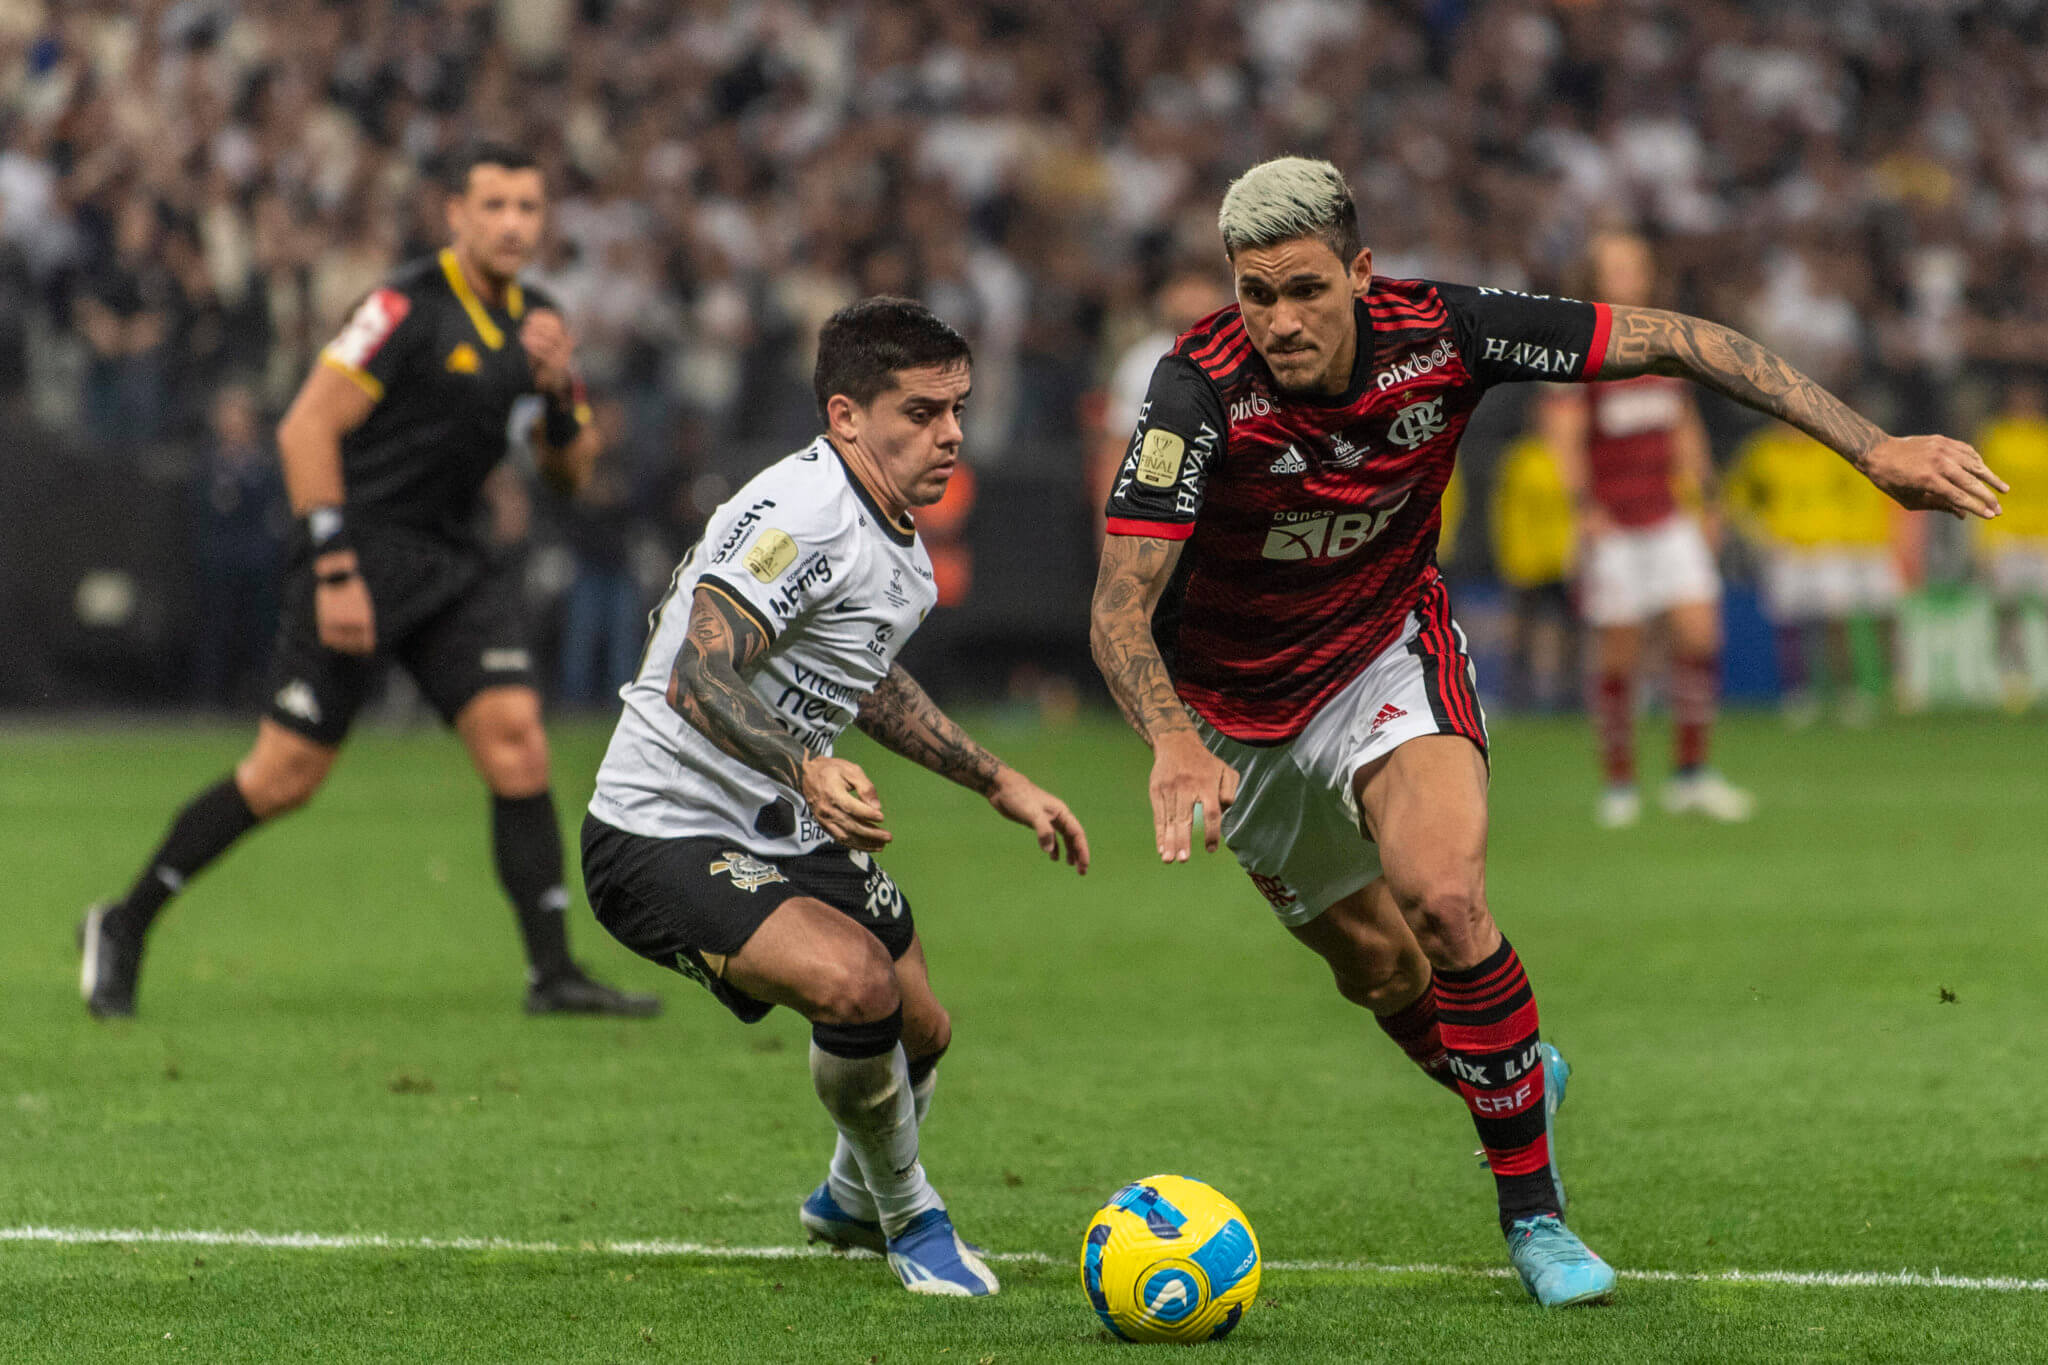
(528, 846)
(204, 830)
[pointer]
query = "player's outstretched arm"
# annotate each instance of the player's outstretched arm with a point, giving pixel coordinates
(1930, 473)
(900, 716)
(707, 689)
(1185, 775)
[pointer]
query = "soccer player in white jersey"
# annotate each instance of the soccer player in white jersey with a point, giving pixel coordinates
(727, 842)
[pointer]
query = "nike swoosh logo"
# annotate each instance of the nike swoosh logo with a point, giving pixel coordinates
(850, 605)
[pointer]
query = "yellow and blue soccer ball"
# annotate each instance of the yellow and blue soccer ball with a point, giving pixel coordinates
(1169, 1259)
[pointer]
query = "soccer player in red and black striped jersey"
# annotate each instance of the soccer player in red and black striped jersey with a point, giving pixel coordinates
(1270, 619)
(1624, 447)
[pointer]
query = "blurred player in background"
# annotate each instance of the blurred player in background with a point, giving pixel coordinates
(1270, 618)
(725, 841)
(2014, 549)
(1625, 449)
(385, 451)
(1829, 575)
(1531, 521)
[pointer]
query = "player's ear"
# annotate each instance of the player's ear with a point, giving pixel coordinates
(842, 417)
(1361, 270)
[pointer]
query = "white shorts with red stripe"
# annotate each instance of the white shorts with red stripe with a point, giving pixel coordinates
(1295, 826)
(1634, 573)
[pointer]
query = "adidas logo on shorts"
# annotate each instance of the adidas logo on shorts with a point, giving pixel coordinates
(1290, 463)
(1386, 713)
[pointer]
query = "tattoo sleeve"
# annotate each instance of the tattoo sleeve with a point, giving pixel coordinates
(899, 716)
(707, 689)
(1134, 573)
(1652, 341)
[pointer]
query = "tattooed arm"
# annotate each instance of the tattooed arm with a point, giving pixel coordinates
(899, 716)
(707, 688)
(1185, 775)
(1921, 472)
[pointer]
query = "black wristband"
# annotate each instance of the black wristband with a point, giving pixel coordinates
(562, 423)
(325, 530)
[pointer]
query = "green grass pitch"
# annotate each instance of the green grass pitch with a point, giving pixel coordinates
(1770, 1076)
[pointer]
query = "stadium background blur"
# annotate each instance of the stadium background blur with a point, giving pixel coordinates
(193, 193)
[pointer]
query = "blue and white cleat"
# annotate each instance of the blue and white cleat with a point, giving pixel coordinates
(824, 1221)
(1557, 1074)
(929, 1257)
(1556, 1267)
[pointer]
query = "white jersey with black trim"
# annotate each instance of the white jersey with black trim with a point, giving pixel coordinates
(836, 585)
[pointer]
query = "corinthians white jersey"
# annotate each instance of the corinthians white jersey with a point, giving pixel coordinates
(835, 585)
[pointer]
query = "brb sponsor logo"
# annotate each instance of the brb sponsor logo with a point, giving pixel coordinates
(1326, 535)
(1418, 422)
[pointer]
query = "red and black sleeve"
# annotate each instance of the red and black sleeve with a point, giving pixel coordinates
(1506, 336)
(1179, 439)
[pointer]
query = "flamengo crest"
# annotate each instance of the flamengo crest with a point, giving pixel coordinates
(1418, 422)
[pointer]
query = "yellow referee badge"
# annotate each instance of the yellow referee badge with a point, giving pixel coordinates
(1159, 458)
(771, 554)
(463, 359)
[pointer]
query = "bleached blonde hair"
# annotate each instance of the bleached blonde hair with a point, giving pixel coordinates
(1288, 197)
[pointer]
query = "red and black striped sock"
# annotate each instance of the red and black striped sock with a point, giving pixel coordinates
(1488, 1017)
(1614, 719)
(1695, 688)
(1414, 1028)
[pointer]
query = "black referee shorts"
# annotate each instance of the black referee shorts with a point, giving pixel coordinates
(451, 617)
(688, 904)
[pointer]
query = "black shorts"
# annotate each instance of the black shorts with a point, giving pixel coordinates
(451, 617)
(675, 900)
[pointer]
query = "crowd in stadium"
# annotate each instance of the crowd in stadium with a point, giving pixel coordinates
(192, 193)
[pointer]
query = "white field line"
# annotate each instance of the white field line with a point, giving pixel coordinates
(318, 1241)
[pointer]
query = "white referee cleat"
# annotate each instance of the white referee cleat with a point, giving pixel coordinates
(1619, 808)
(1708, 793)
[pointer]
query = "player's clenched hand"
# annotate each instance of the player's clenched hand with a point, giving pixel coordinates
(1186, 775)
(845, 803)
(550, 350)
(1934, 474)
(342, 610)
(1018, 798)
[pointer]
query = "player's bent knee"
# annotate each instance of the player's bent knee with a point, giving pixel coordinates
(1449, 915)
(858, 989)
(927, 1039)
(275, 785)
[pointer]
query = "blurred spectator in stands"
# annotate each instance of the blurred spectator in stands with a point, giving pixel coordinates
(1533, 531)
(2014, 547)
(243, 522)
(126, 311)
(603, 616)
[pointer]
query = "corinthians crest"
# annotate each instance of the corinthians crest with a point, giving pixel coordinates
(1417, 423)
(747, 871)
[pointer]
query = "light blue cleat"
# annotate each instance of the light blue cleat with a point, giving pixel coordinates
(1556, 1267)
(1557, 1074)
(929, 1257)
(824, 1221)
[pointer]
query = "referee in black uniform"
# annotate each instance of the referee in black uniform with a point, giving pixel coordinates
(385, 451)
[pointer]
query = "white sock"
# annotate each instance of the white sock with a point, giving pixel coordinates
(849, 1189)
(870, 1099)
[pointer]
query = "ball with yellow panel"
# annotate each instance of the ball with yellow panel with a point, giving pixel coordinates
(1170, 1259)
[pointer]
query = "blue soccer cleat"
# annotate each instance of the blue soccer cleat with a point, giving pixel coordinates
(1557, 1074)
(1556, 1267)
(929, 1257)
(824, 1221)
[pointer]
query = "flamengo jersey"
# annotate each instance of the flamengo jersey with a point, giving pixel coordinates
(1631, 446)
(1311, 522)
(836, 585)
